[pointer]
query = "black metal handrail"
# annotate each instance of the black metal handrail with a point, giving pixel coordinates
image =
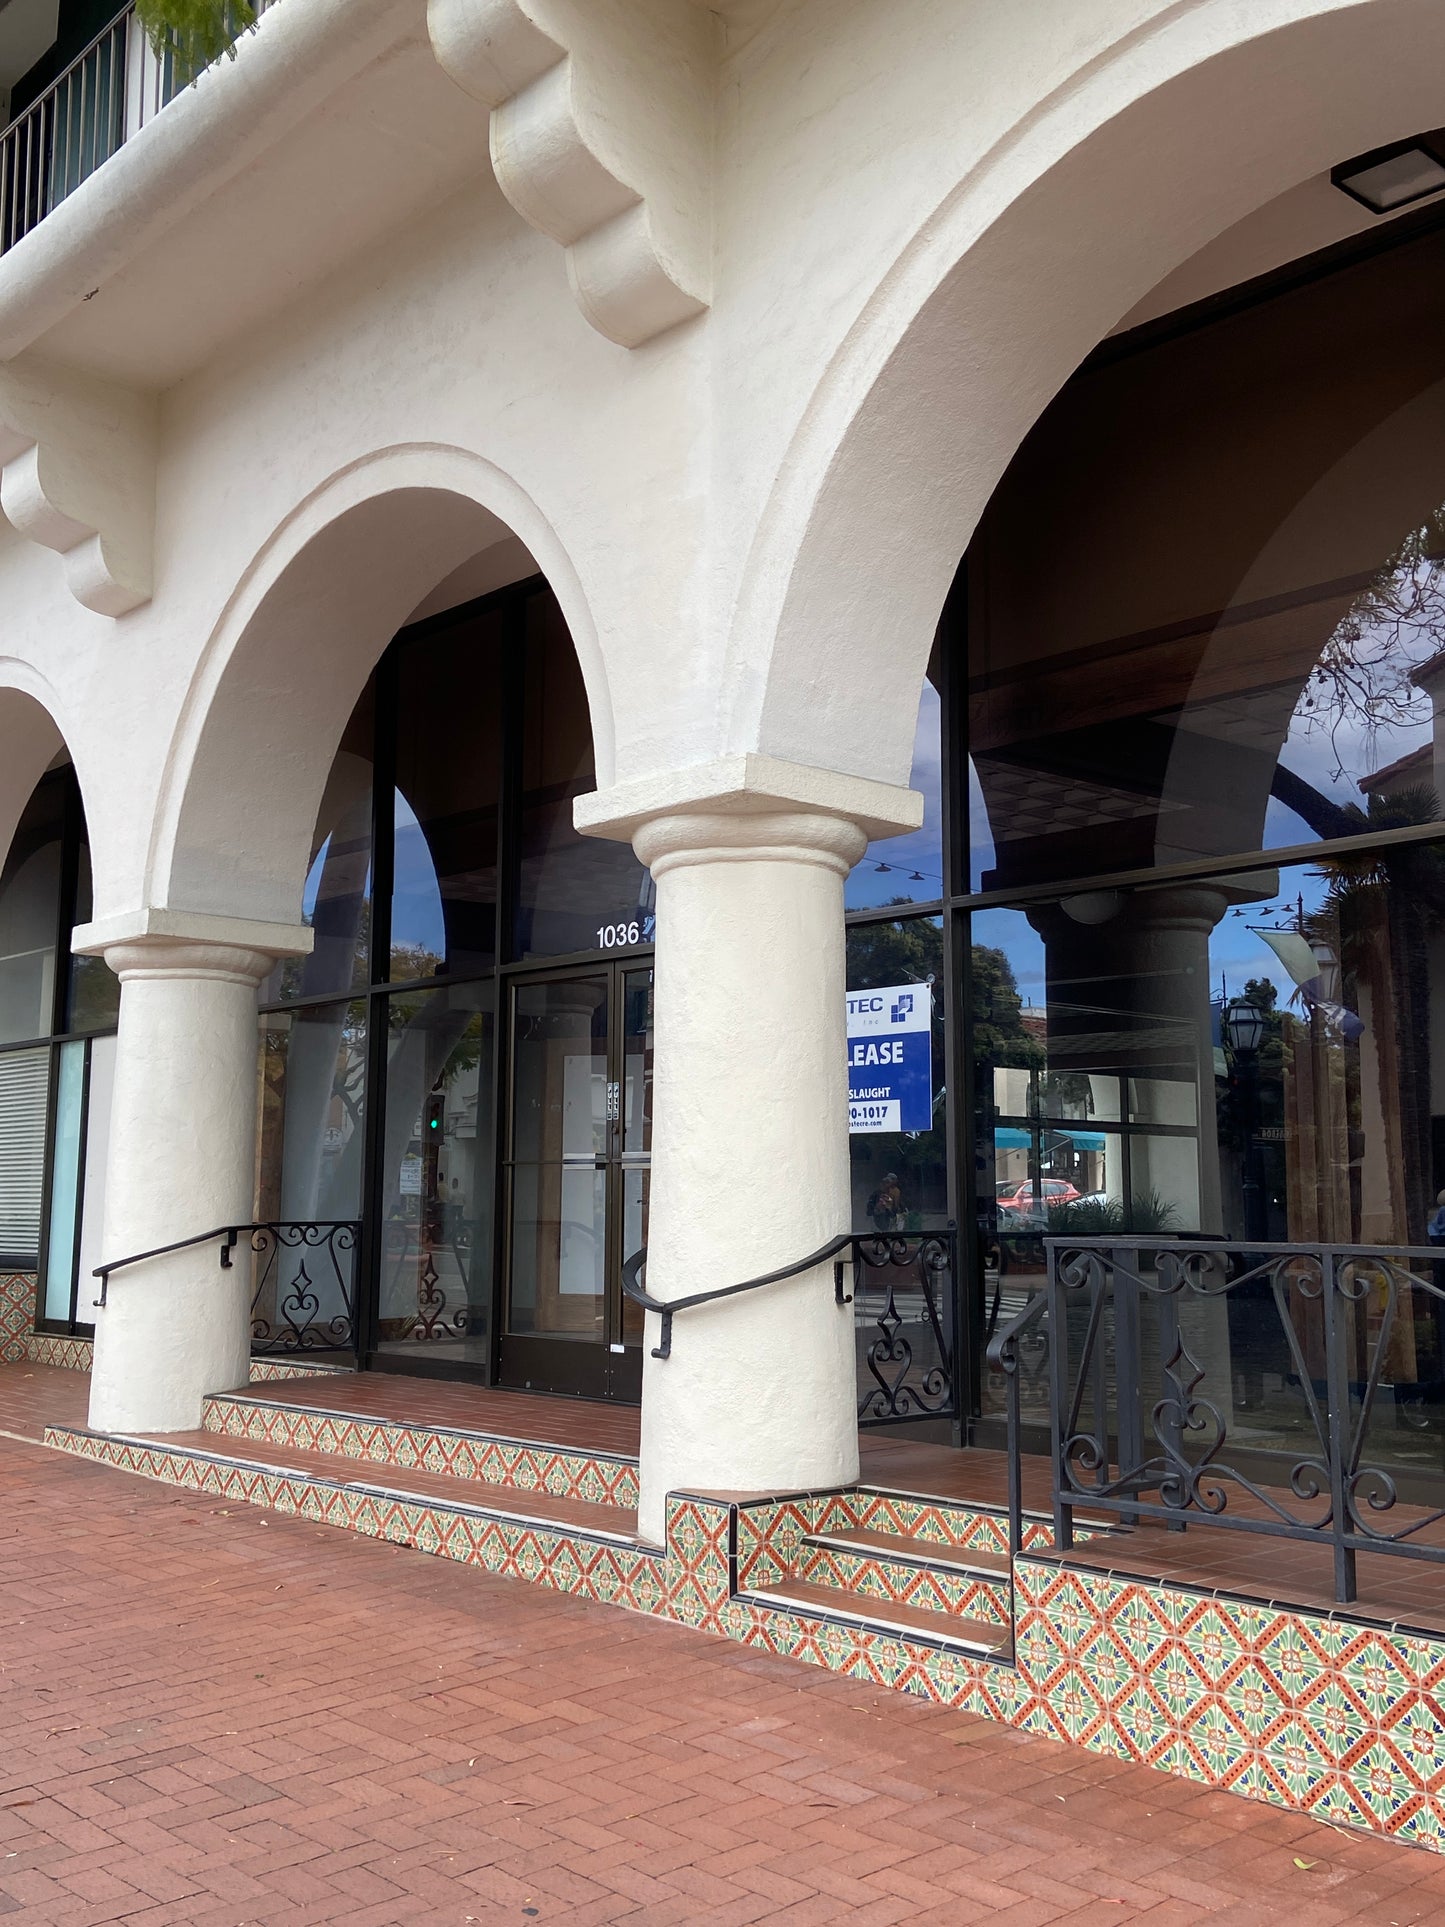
(230, 1232)
(666, 1311)
(1139, 1430)
(894, 1387)
(1003, 1356)
(295, 1326)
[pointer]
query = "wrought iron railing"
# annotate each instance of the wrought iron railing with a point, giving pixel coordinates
(107, 94)
(304, 1293)
(906, 1370)
(1244, 1387)
(1016, 1348)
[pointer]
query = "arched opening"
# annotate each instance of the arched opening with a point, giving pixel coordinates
(58, 1017)
(462, 1063)
(1131, 805)
(1205, 616)
(1193, 939)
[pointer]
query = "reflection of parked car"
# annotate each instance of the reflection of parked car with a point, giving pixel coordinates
(1032, 1200)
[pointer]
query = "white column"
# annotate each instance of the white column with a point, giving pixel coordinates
(750, 1120)
(182, 1161)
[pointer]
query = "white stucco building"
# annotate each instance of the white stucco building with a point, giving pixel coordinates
(546, 542)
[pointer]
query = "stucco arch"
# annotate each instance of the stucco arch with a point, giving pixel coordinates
(279, 675)
(34, 729)
(1184, 127)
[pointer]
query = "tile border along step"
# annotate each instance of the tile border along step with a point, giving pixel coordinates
(830, 1605)
(496, 1459)
(121, 1451)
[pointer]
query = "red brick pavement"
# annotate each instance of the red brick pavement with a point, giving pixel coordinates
(217, 1715)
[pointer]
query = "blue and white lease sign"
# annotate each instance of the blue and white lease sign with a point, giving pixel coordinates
(890, 1059)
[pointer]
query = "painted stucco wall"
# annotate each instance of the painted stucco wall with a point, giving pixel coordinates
(922, 216)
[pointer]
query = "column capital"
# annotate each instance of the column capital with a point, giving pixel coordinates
(157, 943)
(684, 837)
(728, 801)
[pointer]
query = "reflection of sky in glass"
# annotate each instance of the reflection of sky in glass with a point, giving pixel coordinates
(313, 882)
(912, 865)
(1010, 932)
(417, 922)
(981, 853)
(1236, 950)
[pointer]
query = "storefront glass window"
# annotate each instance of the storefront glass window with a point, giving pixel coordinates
(448, 781)
(30, 916)
(1206, 607)
(336, 900)
(312, 1113)
(909, 869)
(94, 1002)
(575, 893)
(437, 1172)
(1249, 1057)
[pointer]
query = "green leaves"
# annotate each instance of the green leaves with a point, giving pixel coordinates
(193, 33)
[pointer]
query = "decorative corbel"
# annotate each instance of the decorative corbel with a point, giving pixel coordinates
(77, 475)
(601, 119)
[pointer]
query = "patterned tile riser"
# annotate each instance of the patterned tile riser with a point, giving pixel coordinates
(268, 1371)
(78, 1355)
(566, 1562)
(520, 1468)
(962, 1526)
(938, 1589)
(770, 1538)
(66, 1354)
(17, 1315)
(1305, 1712)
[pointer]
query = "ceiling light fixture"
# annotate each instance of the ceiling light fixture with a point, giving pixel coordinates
(1388, 178)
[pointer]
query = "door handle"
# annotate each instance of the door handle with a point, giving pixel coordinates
(614, 1101)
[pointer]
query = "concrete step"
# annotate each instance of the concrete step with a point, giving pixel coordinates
(977, 1638)
(921, 1575)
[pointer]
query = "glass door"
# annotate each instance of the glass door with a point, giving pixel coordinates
(579, 1144)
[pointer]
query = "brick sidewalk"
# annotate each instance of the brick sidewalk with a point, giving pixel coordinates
(224, 1716)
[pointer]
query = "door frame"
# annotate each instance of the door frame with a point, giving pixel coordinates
(612, 1369)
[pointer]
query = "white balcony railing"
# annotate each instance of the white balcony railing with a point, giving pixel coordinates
(105, 95)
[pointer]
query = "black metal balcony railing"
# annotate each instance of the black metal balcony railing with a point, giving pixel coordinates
(107, 94)
(903, 1299)
(1290, 1390)
(303, 1297)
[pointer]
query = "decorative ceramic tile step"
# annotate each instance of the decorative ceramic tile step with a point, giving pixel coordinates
(267, 1371)
(954, 1522)
(586, 1550)
(945, 1522)
(257, 1470)
(458, 1452)
(801, 1597)
(910, 1572)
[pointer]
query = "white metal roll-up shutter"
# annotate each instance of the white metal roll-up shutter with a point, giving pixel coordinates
(24, 1089)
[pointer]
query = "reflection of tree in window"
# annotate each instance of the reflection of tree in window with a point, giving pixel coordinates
(1364, 678)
